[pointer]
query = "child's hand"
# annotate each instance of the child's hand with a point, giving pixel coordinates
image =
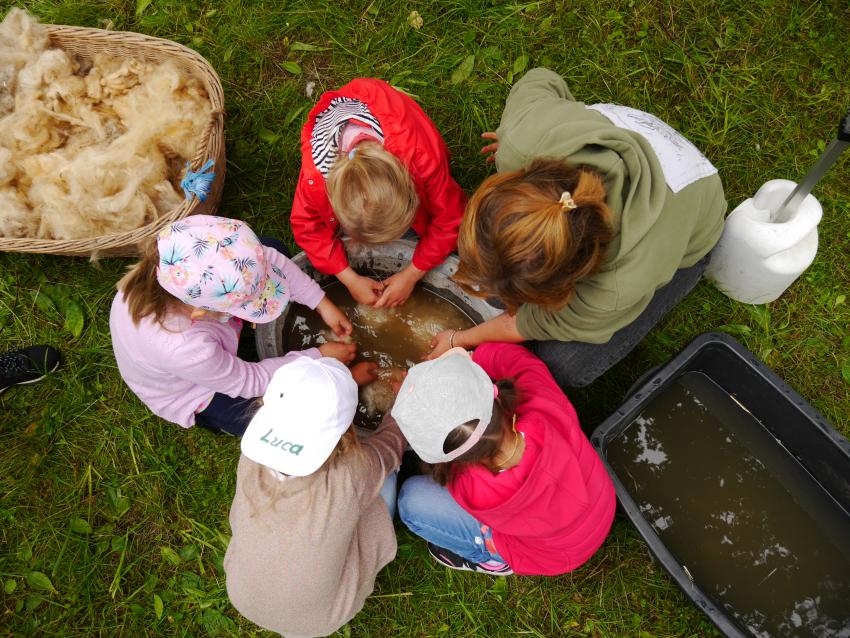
(397, 379)
(334, 318)
(343, 352)
(490, 148)
(398, 287)
(364, 372)
(364, 290)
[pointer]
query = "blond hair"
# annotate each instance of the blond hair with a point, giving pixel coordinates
(372, 194)
(271, 489)
(529, 236)
(141, 289)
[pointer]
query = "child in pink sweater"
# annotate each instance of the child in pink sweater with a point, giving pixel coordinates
(515, 485)
(178, 314)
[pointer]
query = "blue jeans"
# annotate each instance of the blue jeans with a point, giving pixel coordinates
(227, 414)
(429, 511)
(388, 492)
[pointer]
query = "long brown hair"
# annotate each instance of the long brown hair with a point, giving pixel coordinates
(520, 243)
(141, 290)
(483, 452)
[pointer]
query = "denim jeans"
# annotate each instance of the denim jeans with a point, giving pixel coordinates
(226, 414)
(429, 511)
(388, 492)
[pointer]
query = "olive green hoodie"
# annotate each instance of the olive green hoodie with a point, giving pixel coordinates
(657, 231)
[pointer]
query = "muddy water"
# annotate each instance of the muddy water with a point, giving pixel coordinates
(752, 527)
(394, 338)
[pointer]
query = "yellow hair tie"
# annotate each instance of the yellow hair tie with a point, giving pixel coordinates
(567, 202)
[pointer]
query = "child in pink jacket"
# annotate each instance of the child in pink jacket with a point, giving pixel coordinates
(515, 485)
(178, 314)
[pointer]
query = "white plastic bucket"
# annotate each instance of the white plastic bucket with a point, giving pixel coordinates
(757, 259)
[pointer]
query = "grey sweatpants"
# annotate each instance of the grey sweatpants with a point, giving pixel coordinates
(575, 364)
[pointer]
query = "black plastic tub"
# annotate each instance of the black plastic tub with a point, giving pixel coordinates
(803, 440)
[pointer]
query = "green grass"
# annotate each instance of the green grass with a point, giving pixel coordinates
(127, 515)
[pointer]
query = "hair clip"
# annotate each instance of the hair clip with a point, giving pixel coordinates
(567, 202)
(351, 153)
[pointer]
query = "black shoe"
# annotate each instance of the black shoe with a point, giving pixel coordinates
(27, 365)
(453, 561)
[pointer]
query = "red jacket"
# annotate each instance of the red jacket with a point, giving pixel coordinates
(553, 510)
(412, 137)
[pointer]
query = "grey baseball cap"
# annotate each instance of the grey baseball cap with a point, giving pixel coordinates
(439, 395)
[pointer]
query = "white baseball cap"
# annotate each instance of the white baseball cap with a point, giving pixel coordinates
(307, 407)
(439, 395)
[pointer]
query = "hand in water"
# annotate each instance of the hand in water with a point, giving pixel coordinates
(439, 344)
(364, 290)
(397, 379)
(490, 148)
(364, 372)
(344, 352)
(397, 289)
(334, 318)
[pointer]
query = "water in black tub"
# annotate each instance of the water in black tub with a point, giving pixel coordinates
(395, 338)
(754, 530)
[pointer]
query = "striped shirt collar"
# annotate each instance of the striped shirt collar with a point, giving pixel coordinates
(324, 141)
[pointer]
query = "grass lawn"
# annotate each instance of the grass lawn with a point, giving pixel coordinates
(124, 516)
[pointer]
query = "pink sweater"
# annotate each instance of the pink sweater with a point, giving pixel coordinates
(553, 510)
(175, 370)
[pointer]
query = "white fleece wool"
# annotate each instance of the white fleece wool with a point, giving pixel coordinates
(89, 147)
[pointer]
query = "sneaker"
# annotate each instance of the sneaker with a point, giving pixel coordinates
(27, 365)
(453, 561)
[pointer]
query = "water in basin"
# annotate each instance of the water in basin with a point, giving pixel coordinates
(395, 338)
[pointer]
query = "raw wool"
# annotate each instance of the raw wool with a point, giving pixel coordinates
(374, 316)
(373, 320)
(377, 397)
(91, 147)
(8, 171)
(425, 328)
(16, 220)
(20, 39)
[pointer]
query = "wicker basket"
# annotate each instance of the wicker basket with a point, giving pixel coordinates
(86, 43)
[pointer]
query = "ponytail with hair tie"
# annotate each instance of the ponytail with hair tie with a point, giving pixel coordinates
(567, 202)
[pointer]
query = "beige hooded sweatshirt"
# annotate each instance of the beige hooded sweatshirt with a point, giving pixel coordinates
(306, 550)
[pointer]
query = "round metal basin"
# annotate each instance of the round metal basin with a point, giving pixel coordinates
(378, 261)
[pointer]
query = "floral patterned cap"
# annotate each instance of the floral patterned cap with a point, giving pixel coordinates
(219, 264)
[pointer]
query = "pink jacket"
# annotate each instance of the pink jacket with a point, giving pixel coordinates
(553, 510)
(176, 371)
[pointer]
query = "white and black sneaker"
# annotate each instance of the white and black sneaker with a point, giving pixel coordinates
(27, 365)
(453, 561)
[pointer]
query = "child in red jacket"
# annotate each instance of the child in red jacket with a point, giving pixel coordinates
(516, 486)
(373, 165)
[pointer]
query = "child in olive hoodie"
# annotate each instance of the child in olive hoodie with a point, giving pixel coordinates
(516, 485)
